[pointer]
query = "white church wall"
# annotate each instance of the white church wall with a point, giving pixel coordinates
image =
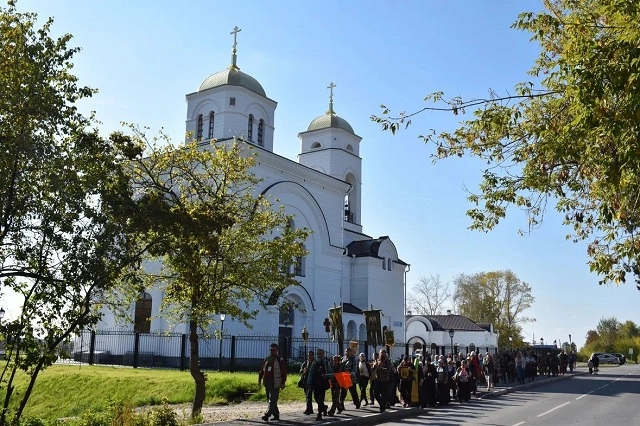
(314, 191)
(231, 120)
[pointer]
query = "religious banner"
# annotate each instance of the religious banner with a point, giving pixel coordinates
(337, 328)
(372, 322)
(388, 338)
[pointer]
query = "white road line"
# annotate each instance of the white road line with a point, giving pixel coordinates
(553, 409)
(601, 387)
(582, 396)
(518, 424)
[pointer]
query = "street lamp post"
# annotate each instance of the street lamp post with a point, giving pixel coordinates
(510, 343)
(222, 318)
(305, 337)
(451, 334)
(570, 346)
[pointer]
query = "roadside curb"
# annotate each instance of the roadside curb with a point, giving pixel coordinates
(377, 418)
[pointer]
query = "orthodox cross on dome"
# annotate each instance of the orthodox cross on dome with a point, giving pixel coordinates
(330, 87)
(235, 32)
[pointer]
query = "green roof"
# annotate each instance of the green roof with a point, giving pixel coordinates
(330, 120)
(233, 77)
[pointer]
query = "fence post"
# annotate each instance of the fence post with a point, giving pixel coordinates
(136, 350)
(406, 349)
(286, 348)
(183, 352)
(92, 347)
(232, 355)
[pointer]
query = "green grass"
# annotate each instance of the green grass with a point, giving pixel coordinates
(68, 391)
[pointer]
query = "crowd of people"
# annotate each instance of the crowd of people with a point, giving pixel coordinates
(411, 381)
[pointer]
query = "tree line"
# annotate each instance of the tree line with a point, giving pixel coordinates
(612, 336)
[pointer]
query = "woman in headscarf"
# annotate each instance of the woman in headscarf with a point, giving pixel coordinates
(463, 379)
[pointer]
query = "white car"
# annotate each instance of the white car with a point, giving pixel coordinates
(608, 359)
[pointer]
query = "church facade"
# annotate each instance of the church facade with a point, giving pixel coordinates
(322, 190)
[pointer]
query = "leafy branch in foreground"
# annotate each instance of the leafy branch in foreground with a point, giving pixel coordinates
(573, 140)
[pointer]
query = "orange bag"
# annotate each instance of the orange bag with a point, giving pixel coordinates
(344, 379)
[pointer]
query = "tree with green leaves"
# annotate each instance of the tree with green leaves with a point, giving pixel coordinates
(61, 241)
(221, 246)
(629, 329)
(607, 329)
(568, 137)
(498, 297)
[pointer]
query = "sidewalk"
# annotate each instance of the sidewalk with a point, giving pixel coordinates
(371, 415)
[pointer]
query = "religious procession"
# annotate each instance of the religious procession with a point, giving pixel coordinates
(380, 381)
(418, 380)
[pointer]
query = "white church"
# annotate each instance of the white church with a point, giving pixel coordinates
(322, 190)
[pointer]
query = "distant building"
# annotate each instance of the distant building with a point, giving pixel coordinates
(431, 334)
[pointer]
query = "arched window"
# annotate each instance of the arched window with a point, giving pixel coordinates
(261, 132)
(315, 145)
(250, 128)
(298, 266)
(199, 128)
(362, 333)
(286, 316)
(349, 147)
(211, 121)
(142, 320)
(351, 198)
(352, 330)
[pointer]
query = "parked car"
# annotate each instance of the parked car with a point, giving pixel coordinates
(621, 357)
(608, 359)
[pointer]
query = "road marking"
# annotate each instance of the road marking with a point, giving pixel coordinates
(553, 409)
(518, 424)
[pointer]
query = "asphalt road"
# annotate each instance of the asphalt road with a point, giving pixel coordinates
(609, 398)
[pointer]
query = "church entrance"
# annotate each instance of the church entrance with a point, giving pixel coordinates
(285, 329)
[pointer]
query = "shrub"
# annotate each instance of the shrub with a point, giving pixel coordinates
(164, 416)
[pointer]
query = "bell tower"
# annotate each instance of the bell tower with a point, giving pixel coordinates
(331, 146)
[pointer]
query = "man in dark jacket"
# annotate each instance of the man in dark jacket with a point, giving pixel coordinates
(318, 380)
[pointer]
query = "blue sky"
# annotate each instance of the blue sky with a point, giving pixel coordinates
(144, 56)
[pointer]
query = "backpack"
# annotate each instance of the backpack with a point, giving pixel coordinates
(319, 374)
(384, 372)
(405, 372)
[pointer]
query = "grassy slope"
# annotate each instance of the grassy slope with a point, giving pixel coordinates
(68, 390)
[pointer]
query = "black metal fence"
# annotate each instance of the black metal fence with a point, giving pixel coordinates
(171, 350)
